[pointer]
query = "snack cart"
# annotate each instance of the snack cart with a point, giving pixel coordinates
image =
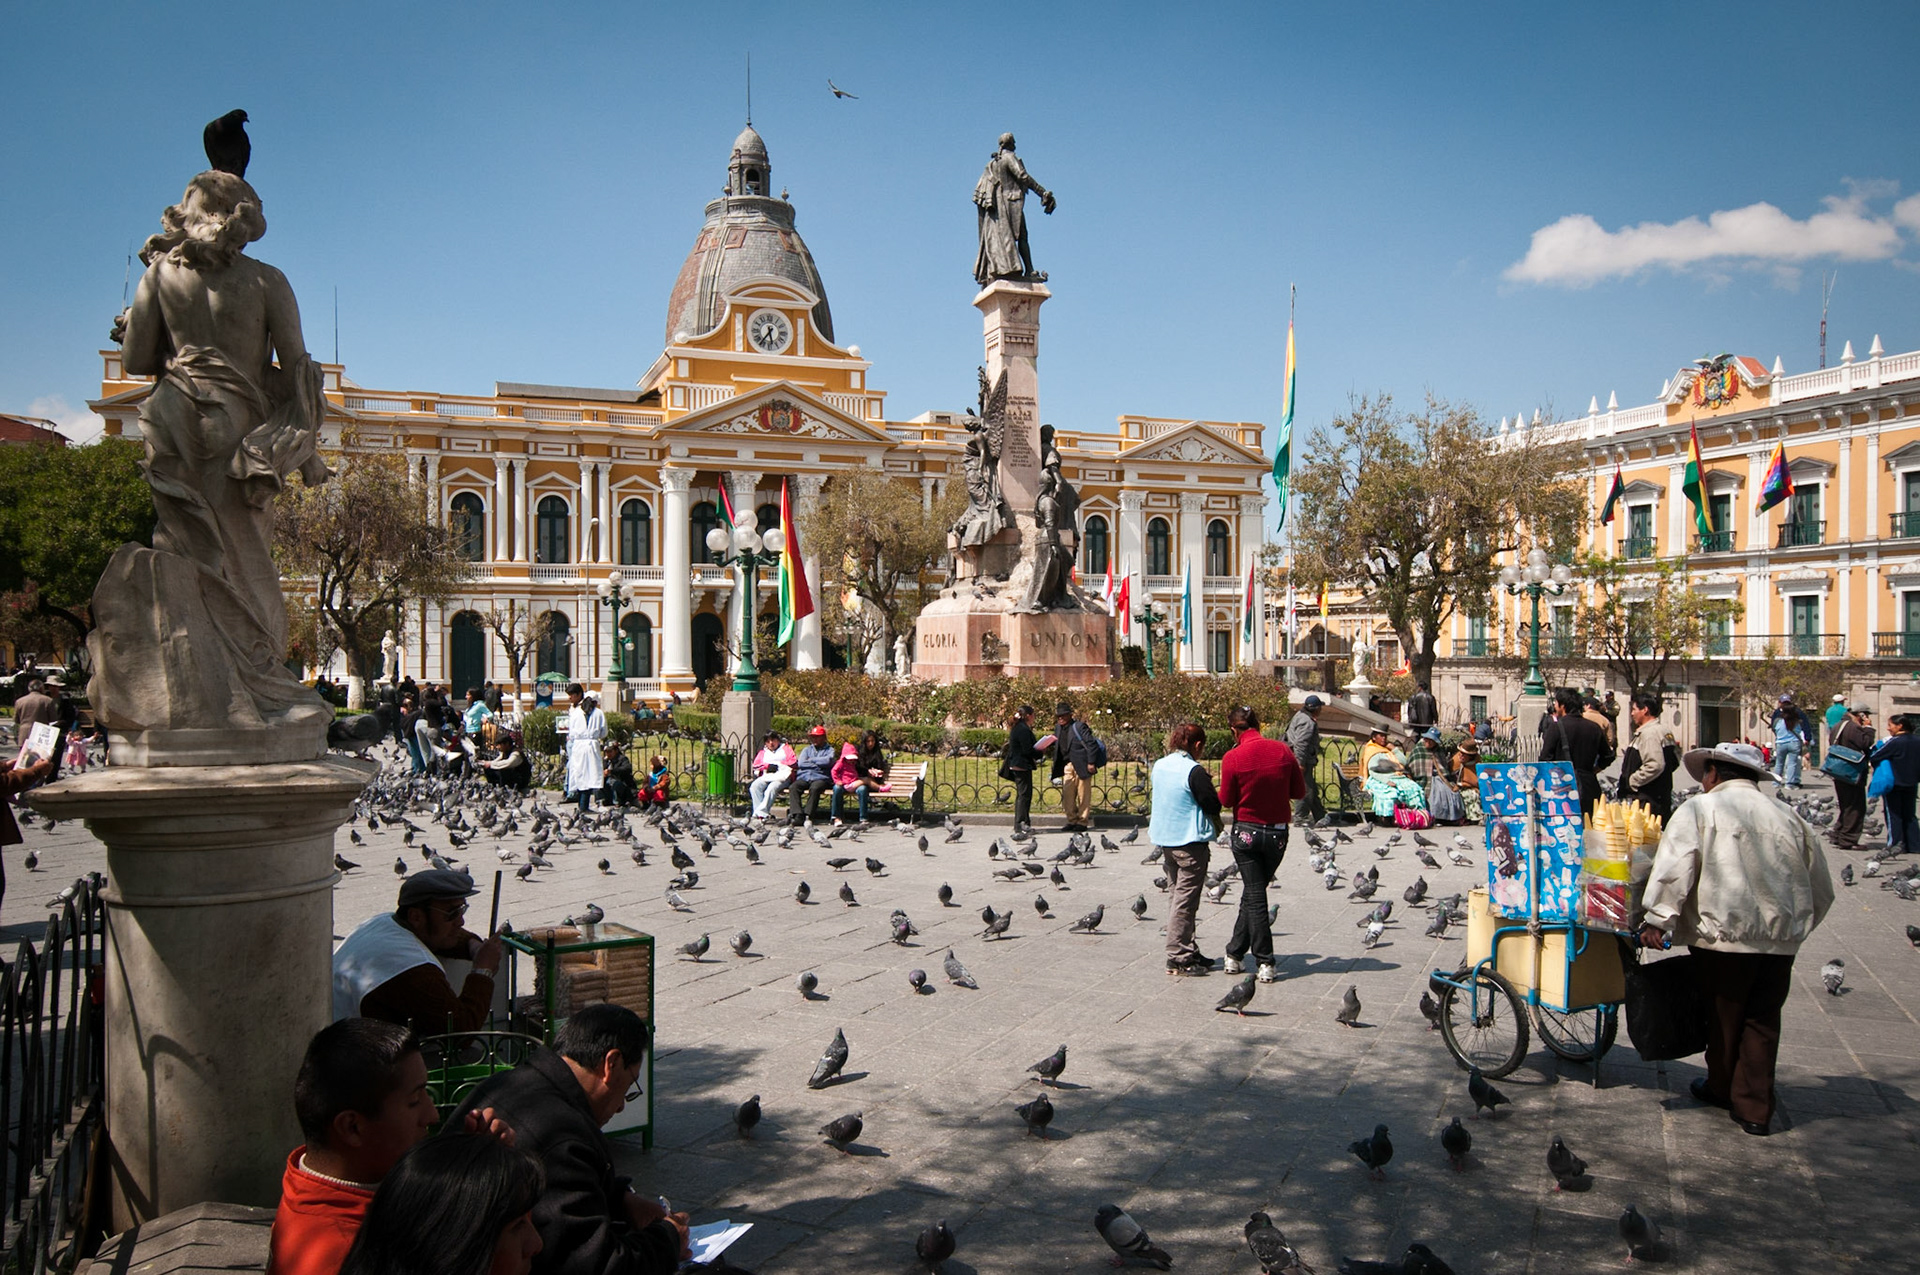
(1544, 936)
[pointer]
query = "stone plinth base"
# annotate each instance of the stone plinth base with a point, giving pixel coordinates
(961, 638)
(1360, 691)
(197, 1241)
(218, 970)
(745, 718)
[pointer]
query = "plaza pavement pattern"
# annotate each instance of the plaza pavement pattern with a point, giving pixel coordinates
(1187, 1118)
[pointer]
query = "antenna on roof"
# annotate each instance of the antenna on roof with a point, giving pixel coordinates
(336, 325)
(1826, 298)
(126, 278)
(749, 90)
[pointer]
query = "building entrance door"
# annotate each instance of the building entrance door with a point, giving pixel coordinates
(466, 654)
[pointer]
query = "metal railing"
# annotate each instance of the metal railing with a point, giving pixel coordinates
(1639, 547)
(52, 1067)
(1759, 646)
(1896, 646)
(1714, 542)
(1905, 525)
(1796, 535)
(1476, 648)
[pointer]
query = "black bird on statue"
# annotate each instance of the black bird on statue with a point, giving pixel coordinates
(228, 149)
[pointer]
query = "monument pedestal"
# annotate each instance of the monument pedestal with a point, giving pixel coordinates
(1360, 691)
(218, 966)
(745, 719)
(961, 637)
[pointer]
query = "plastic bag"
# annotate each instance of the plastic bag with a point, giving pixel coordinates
(1666, 1017)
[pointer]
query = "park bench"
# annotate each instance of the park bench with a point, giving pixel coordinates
(906, 788)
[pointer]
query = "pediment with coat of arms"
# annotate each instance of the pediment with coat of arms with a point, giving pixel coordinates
(778, 418)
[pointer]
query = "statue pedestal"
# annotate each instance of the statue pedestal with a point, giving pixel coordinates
(745, 719)
(218, 966)
(1360, 690)
(960, 638)
(1011, 311)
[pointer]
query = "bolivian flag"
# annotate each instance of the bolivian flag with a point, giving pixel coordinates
(1283, 450)
(1694, 484)
(1778, 484)
(796, 600)
(1614, 493)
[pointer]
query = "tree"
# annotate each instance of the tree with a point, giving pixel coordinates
(363, 546)
(1636, 619)
(886, 547)
(1415, 508)
(520, 631)
(64, 511)
(1759, 682)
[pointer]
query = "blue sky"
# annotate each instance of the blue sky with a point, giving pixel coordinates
(504, 193)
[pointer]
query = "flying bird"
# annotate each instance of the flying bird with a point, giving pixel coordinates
(838, 92)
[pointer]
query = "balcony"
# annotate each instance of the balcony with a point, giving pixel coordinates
(1896, 646)
(1798, 535)
(1475, 648)
(1905, 526)
(1639, 547)
(1760, 646)
(1714, 542)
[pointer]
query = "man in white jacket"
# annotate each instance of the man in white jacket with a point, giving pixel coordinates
(1740, 879)
(586, 728)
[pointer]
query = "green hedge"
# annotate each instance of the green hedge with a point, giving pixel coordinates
(695, 722)
(540, 732)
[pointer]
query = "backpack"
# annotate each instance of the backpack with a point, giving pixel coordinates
(1094, 746)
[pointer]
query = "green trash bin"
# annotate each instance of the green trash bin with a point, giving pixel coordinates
(720, 774)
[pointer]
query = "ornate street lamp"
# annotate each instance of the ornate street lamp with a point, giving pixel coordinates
(1153, 617)
(751, 551)
(1535, 579)
(614, 594)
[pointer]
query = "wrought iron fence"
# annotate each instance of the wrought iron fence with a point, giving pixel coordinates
(52, 1066)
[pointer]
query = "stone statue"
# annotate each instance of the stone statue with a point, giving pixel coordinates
(1362, 657)
(986, 514)
(191, 633)
(1001, 197)
(1057, 534)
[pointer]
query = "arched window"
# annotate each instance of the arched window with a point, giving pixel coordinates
(704, 518)
(1094, 560)
(1219, 549)
(467, 520)
(1159, 548)
(639, 653)
(555, 652)
(551, 530)
(767, 517)
(636, 534)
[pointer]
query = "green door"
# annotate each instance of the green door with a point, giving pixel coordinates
(1910, 625)
(1806, 627)
(466, 654)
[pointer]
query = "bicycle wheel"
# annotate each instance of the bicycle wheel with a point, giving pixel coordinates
(1585, 1035)
(1486, 1027)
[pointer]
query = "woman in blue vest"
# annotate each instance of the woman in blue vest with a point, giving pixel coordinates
(1186, 815)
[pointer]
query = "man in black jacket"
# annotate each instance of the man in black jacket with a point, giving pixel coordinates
(1016, 765)
(591, 1221)
(1422, 709)
(1646, 768)
(1571, 737)
(1074, 762)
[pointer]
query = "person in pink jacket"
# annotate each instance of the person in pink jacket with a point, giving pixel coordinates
(772, 770)
(848, 778)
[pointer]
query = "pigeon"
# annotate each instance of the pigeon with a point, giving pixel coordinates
(399, 867)
(1427, 858)
(874, 866)
(593, 915)
(923, 845)
(1090, 923)
(353, 835)
(1050, 1067)
(957, 973)
(1374, 930)
(1871, 870)
(1138, 907)
(1058, 878)
(1437, 928)
(1349, 1014)
(1832, 974)
(697, 948)
(33, 862)
(747, 1115)
(1040, 904)
(1332, 876)
(936, 1243)
(945, 895)
(846, 895)
(998, 926)
(1038, 1114)
(842, 1131)
(839, 92)
(1483, 1094)
(837, 864)
(1270, 1247)
(606, 868)
(830, 1062)
(1133, 835)
(740, 943)
(801, 891)
(228, 148)
(1238, 996)
(1456, 1142)
(953, 834)
(1363, 887)
(1566, 1167)
(808, 982)
(1418, 1260)
(1846, 875)
(1127, 1238)
(1640, 1232)
(903, 929)
(524, 872)
(917, 980)
(1430, 1010)
(675, 902)
(1913, 935)
(1414, 893)
(1374, 1152)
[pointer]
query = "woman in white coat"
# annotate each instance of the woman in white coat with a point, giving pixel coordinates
(586, 728)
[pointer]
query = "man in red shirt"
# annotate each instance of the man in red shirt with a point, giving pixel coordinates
(1260, 779)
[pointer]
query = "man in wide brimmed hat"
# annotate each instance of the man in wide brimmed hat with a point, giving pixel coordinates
(1740, 879)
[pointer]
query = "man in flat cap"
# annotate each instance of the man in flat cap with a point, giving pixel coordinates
(391, 966)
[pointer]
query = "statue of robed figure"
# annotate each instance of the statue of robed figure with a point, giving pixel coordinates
(986, 514)
(1000, 197)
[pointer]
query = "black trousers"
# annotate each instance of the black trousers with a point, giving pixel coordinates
(809, 789)
(1853, 812)
(1257, 852)
(1743, 992)
(1022, 798)
(1309, 808)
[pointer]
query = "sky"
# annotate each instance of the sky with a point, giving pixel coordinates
(1518, 207)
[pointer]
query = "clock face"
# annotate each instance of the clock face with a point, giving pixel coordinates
(769, 331)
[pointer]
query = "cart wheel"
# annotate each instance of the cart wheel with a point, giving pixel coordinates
(1485, 1027)
(1585, 1035)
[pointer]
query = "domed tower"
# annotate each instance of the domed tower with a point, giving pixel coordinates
(748, 232)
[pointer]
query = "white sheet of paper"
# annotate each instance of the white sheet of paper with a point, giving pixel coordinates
(713, 1239)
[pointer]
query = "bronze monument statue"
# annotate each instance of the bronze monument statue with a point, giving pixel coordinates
(1000, 196)
(986, 514)
(1057, 535)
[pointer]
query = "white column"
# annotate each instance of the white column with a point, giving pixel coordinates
(1131, 553)
(742, 487)
(1678, 510)
(807, 651)
(583, 532)
(1253, 535)
(520, 518)
(501, 500)
(436, 514)
(1193, 551)
(1839, 504)
(609, 516)
(676, 589)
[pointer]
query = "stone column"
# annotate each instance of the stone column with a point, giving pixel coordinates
(502, 550)
(609, 516)
(1678, 510)
(520, 518)
(1130, 552)
(1193, 549)
(583, 536)
(1012, 314)
(807, 651)
(676, 586)
(218, 969)
(436, 508)
(1253, 535)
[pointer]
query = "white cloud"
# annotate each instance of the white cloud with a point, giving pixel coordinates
(77, 423)
(1577, 251)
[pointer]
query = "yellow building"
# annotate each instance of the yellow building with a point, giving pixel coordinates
(1831, 574)
(558, 487)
